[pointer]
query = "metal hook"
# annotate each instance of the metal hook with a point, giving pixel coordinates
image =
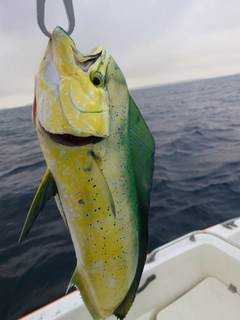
(41, 14)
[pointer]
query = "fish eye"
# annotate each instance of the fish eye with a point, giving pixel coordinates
(97, 79)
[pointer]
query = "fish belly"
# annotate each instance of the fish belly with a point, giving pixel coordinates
(106, 245)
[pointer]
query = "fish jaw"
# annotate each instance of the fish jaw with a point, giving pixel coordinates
(67, 100)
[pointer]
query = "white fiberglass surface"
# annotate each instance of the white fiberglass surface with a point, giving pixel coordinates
(209, 300)
(178, 268)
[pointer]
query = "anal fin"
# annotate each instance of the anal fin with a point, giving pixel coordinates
(77, 280)
(45, 191)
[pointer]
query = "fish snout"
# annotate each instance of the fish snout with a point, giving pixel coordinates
(70, 94)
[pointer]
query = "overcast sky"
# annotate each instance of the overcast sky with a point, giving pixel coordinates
(153, 41)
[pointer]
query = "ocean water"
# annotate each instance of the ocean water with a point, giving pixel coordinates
(196, 126)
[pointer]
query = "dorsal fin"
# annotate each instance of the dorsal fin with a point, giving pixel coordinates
(45, 191)
(142, 154)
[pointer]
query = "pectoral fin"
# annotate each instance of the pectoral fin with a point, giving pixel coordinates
(46, 190)
(99, 177)
(61, 210)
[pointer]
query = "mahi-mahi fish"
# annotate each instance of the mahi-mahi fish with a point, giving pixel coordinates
(99, 154)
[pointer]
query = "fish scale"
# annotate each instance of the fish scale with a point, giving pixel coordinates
(99, 154)
(100, 239)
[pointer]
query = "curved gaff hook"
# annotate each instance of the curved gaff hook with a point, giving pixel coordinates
(41, 14)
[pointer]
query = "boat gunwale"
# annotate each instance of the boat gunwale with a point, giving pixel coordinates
(191, 236)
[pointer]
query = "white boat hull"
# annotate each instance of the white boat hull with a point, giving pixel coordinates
(194, 277)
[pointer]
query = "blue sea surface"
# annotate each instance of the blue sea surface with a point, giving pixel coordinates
(196, 127)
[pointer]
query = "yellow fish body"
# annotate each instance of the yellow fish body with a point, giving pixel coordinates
(99, 154)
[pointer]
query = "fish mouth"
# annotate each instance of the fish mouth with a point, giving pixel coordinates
(87, 60)
(71, 140)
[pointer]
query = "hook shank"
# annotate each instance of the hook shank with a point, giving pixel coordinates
(41, 16)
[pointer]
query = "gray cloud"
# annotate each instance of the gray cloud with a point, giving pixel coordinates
(153, 42)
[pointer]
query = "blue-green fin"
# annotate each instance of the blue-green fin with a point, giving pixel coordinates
(142, 154)
(45, 191)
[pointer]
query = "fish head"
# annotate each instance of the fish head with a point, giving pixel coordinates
(71, 90)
